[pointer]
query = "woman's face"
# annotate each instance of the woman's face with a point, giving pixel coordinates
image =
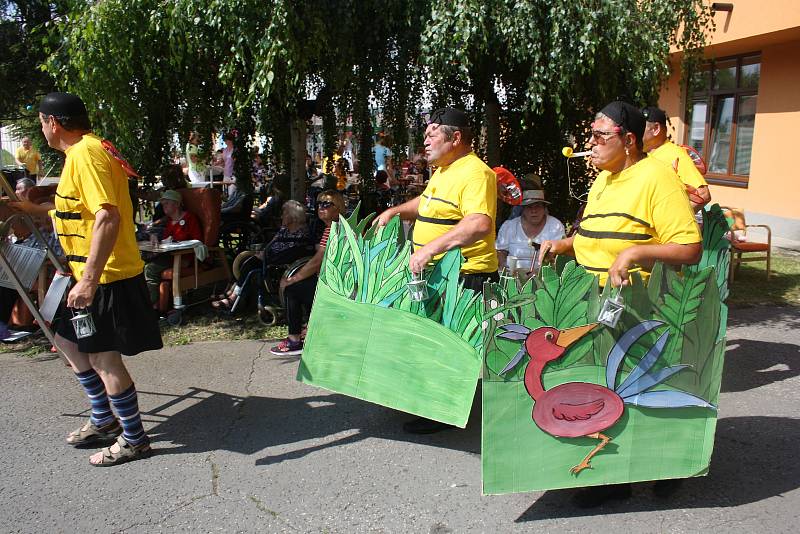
(328, 212)
(286, 217)
(171, 208)
(608, 146)
(534, 213)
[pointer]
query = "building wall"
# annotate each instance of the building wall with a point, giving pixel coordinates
(772, 195)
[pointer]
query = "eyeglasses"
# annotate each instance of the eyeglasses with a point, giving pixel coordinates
(602, 137)
(325, 204)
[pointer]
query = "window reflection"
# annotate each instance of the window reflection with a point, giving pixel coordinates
(745, 120)
(697, 134)
(721, 136)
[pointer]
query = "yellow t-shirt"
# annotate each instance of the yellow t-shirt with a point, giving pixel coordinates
(90, 179)
(645, 204)
(464, 187)
(30, 158)
(687, 171)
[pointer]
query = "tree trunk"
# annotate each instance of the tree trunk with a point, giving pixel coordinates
(297, 166)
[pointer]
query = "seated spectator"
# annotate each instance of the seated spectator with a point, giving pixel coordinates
(299, 289)
(177, 223)
(233, 205)
(23, 184)
(533, 226)
(382, 181)
(172, 177)
(291, 243)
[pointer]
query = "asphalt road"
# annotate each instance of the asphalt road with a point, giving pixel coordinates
(243, 447)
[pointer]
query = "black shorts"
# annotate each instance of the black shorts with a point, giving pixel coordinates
(124, 319)
(475, 281)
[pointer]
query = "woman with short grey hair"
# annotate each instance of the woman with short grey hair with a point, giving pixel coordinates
(291, 243)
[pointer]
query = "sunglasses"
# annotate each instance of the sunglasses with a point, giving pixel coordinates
(325, 204)
(602, 136)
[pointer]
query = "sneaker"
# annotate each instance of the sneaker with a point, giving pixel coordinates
(287, 347)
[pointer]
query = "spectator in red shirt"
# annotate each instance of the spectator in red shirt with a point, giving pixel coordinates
(177, 223)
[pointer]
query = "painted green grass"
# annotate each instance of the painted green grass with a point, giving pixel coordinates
(353, 348)
(368, 339)
(373, 269)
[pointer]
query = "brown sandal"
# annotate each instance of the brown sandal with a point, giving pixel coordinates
(126, 453)
(91, 433)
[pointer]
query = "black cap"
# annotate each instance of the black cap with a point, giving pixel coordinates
(449, 117)
(654, 114)
(62, 105)
(627, 116)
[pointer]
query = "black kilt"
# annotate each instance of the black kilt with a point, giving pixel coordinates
(124, 319)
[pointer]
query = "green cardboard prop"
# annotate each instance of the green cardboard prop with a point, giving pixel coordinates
(368, 339)
(629, 403)
(605, 405)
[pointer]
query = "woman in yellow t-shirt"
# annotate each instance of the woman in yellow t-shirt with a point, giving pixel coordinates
(637, 212)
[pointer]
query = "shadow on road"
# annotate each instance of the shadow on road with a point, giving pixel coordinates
(204, 421)
(754, 459)
(751, 364)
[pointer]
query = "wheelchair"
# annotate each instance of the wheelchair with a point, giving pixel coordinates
(264, 284)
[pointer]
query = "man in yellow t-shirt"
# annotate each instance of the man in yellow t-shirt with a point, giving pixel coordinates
(94, 218)
(641, 205)
(457, 208)
(657, 146)
(637, 211)
(29, 157)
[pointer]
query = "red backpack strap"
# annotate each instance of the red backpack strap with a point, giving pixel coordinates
(111, 149)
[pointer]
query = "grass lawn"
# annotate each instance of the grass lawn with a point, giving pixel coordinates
(200, 324)
(750, 288)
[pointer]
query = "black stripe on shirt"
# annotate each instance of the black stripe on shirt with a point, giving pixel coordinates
(68, 198)
(79, 259)
(72, 235)
(68, 215)
(596, 269)
(435, 220)
(618, 214)
(614, 235)
(443, 200)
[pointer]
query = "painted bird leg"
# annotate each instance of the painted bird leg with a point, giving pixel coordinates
(585, 462)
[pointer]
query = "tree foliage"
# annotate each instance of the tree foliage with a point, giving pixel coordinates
(531, 72)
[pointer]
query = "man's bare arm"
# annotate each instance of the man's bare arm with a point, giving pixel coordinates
(407, 212)
(104, 236)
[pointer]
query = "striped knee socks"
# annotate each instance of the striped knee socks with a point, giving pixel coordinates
(126, 404)
(96, 391)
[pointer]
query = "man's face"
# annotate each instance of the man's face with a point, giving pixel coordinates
(608, 146)
(436, 143)
(48, 129)
(26, 143)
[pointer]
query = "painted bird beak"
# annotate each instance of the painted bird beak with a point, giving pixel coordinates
(571, 335)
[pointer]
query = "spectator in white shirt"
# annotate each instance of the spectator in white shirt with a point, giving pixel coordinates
(534, 226)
